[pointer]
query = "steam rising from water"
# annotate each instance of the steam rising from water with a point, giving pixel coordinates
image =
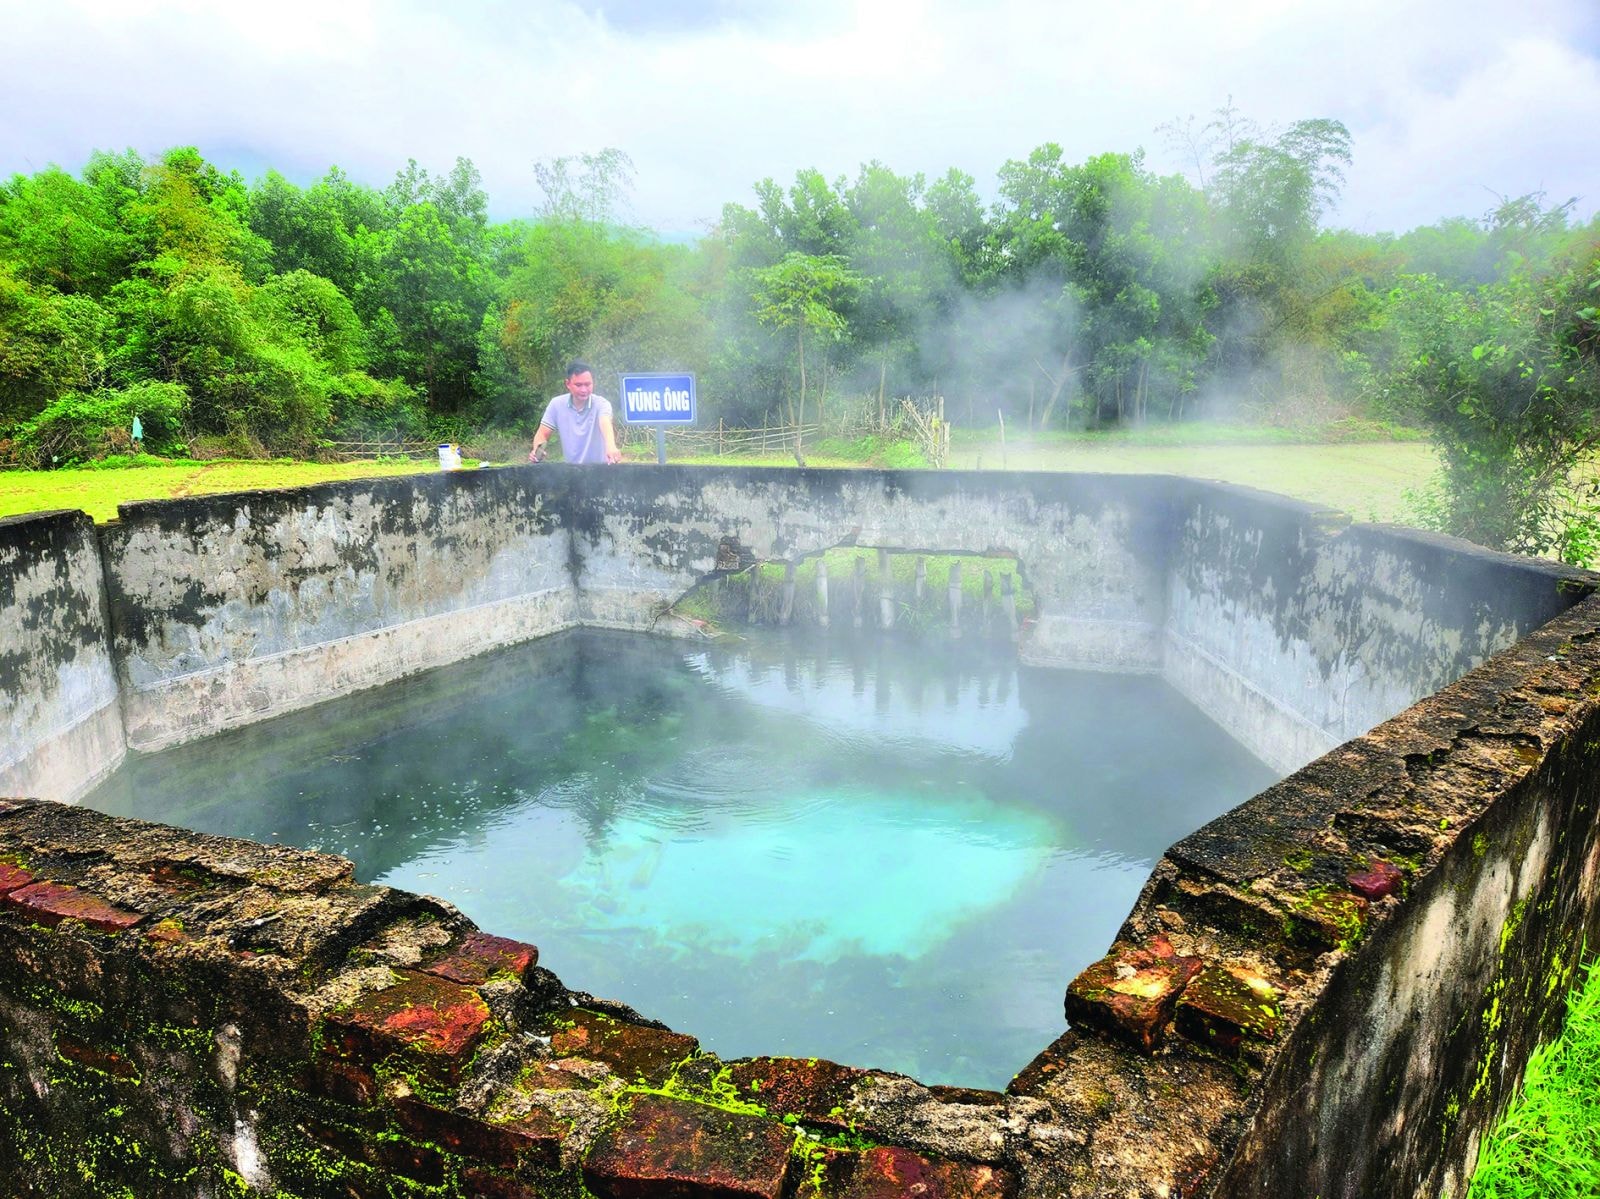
(852, 849)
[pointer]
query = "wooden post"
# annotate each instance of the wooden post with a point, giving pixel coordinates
(1008, 601)
(885, 592)
(1002, 417)
(921, 585)
(988, 598)
(858, 584)
(955, 599)
(822, 593)
(786, 608)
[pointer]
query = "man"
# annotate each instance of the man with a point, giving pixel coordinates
(581, 419)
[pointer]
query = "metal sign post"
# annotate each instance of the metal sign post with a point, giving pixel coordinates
(659, 400)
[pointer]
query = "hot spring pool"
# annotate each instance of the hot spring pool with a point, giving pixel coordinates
(855, 849)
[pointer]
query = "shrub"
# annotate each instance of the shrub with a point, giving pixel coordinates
(80, 426)
(366, 407)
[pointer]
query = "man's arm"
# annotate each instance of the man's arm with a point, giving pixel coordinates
(609, 432)
(539, 439)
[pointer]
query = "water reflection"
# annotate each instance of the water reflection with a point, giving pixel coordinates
(842, 848)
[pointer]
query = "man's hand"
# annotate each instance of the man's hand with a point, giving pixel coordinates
(613, 455)
(536, 454)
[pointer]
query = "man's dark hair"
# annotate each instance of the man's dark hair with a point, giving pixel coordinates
(576, 367)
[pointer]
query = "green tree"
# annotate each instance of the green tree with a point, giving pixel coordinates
(1110, 254)
(803, 292)
(1507, 377)
(577, 282)
(50, 344)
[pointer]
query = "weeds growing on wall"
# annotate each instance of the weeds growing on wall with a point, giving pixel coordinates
(1547, 1146)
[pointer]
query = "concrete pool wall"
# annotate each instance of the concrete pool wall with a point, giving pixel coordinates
(1414, 897)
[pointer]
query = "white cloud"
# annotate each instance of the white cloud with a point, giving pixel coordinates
(1444, 99)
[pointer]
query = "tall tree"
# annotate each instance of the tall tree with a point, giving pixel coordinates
(804, 292)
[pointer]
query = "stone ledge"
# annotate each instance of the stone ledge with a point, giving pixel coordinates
(666, 1146)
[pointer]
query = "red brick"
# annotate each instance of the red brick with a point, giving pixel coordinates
(387, 1154)
(1049, 1062)
(1226, 1008)
(689, 1151)
(341, 1081)
(51, 903)
(1131, 992)
(478, 1183)
(1379, 880)
(535, 1137)
(892, 1173)
(347, 1142)
(480, 957)
(969, 1096)
(420, 1163)
(430, 1020)
(167, 932)
(633, 1051)
(1328, 919)
(814, 1089)
(105, 1060)
(552, 1076)
(13, 877)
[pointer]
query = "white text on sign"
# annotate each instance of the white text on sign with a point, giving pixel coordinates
(666, 400)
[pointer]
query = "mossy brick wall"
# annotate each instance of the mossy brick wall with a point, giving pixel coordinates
(1376, 943)
(60, 718)
(183, 1015)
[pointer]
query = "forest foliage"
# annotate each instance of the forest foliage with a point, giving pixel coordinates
(241, 317)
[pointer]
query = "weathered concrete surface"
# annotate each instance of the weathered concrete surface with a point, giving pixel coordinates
(1330, 990)
(60, 722)
(1093, 546)
(1398, 1024)
(1296, 630)
(230, 609)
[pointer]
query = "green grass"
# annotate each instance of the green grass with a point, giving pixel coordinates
(98, 490)
(1367, 479)
(1547, 1146)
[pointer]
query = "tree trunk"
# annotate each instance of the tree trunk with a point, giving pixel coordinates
(799, 454)
(883, 375)
(1058, 382)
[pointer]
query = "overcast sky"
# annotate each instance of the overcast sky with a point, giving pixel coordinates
(1449, 102)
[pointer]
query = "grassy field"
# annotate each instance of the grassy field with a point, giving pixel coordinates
(98, 492)
(1548, 1144)
(1367, 480)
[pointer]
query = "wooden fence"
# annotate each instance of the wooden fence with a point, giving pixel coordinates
(381, 447)
(921, 420)
(768, 439)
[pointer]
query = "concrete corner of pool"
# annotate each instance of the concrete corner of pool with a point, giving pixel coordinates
(1331, 988)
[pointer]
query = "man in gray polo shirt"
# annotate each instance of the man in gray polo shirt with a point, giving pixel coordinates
(581, 419)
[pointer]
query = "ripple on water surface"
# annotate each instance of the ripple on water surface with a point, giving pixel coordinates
(856, 850)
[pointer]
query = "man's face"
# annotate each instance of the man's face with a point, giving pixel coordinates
(580, 385)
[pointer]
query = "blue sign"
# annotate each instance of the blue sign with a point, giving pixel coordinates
(658, 399)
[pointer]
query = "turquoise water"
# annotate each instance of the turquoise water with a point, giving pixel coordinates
(852, 849)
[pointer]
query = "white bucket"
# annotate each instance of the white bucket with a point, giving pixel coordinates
(449, 457)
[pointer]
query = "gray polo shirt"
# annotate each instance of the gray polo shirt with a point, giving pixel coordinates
(581, 439)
